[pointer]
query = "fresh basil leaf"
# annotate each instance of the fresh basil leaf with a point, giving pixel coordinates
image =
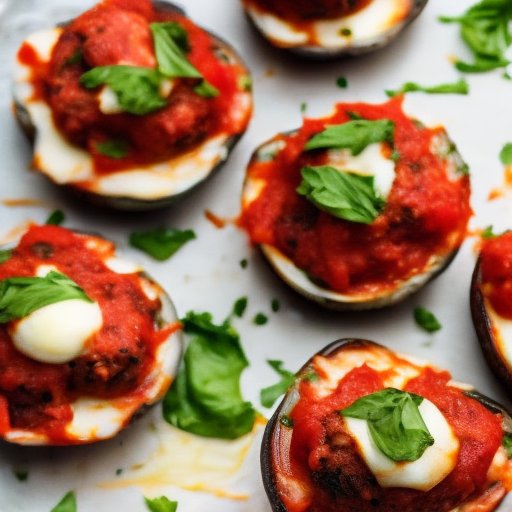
(56, 218)
(506, 154)
(394, 422)
(426, 320)
(488, 233)
(161, 504)
(66, 504)
(170, 40)
(205, 398)
(507, 443)
(460, 87)
(114, 148)
(20, 296)
(275, 305)
(485, 29)
(240, 307)
(161, 243)
(270, 394)
(5, 255)
(355, 135)
(206, 90)
(137, 89)
(171, 44)
(343, 194)
(342, 82)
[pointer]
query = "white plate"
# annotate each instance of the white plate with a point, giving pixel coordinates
(206, 275)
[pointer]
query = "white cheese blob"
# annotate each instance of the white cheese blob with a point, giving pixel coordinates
(56, 333)
(431, 468)
(370, 162)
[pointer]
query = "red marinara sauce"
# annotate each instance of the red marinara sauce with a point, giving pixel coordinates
(92, 40)
(351, 487)
(496, 269)
(426, 213)
(117, 359)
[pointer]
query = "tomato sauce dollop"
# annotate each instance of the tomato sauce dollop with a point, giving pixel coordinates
(426, 213)
(496, 268)
(116, 360)
(478, 430)
(92, 40)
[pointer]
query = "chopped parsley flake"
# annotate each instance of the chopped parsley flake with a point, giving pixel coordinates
(260, 319)
(426, 320)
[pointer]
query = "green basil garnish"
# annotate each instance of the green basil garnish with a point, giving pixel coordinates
(66, 504)
(507, 443)
(114, 148)
(240, 306)
(161, 504)
(270, 394)
(20, 296)
(205, 398)
(343, 194)
(161, 243)
(394, 422)
(5, 255)
(460, 87)
(56, 218)
(260, 319)
(137, 89)
(506, 154)
(485, 29)
(354, 135)
(426, 320)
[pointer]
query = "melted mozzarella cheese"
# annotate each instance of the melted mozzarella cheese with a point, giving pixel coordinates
(57, 333)
(370, 162)
(433, 466)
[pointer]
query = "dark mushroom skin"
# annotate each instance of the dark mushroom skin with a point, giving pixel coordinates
(488, 333)
(136, 199)
(303, 16)
(339, 271)
(278, 438)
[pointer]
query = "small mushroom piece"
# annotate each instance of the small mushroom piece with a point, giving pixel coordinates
(330, 29)
(491, 305)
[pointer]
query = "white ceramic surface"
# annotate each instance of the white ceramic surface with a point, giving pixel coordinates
(206, 275)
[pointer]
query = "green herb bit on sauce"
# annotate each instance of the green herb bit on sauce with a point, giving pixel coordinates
(56, 218)
(488, 233)
(5, 255)
(345, 195)
(394, 422)
(240, 307)
(426, 320)
(20, 296)
(66, 504)
(460, 87)
(114, 148)
(354, 135)
(507, 443)
(286, 421)
(270, 394)
(161, 504)
(485, 29)
(506, 154)
(205, 398)
(161, 243)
